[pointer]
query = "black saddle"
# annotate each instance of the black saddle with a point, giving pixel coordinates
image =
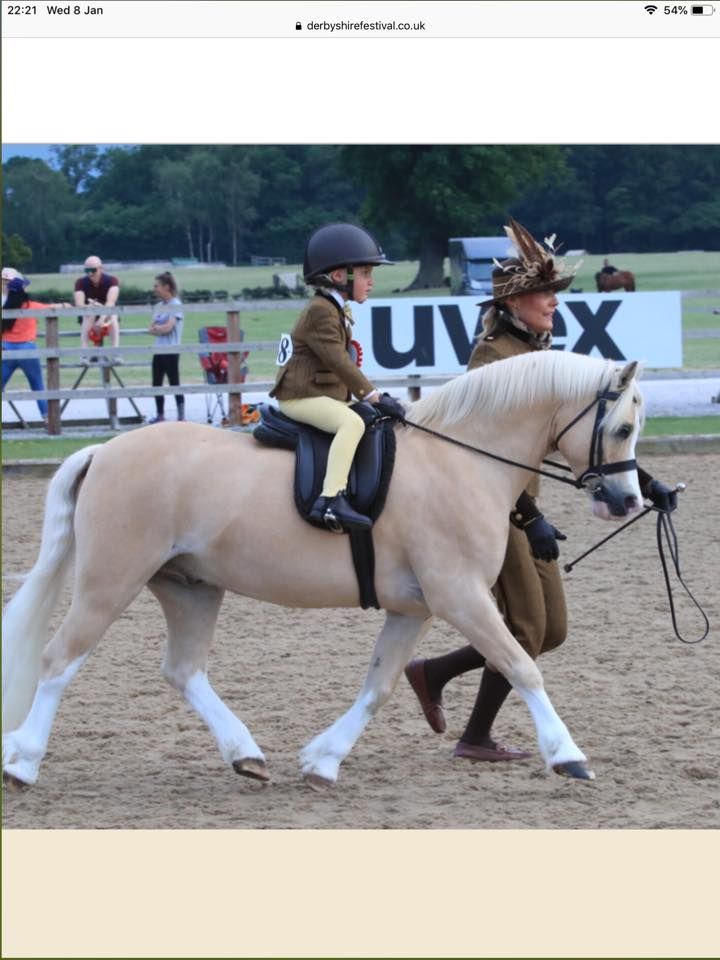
(368, 481)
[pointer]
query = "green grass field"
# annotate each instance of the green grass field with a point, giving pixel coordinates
(656, 271)
(653, 271)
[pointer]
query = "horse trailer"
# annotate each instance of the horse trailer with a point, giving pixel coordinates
(472, 263)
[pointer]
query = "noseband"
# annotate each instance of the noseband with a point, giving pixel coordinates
(596, 470)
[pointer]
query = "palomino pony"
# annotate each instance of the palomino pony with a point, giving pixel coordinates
(439, 546)
(620, 280)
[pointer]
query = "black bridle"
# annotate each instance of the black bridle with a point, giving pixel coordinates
(597, 469)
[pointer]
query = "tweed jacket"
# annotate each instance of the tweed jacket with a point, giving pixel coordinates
(501, 345)
(320, 365)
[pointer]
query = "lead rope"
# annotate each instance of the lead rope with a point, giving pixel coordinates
(664, 526)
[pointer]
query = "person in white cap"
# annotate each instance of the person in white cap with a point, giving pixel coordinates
(8, 274)
(98, 288)
(20, 333)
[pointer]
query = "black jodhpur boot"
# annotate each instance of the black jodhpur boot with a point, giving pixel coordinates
(337, 514)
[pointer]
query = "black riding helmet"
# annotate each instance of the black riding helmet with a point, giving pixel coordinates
(339, 245)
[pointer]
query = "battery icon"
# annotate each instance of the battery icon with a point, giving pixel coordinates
(702, 10)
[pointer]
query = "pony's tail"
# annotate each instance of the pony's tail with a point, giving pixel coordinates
(26, 618)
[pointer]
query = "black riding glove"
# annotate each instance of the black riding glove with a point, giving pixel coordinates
(543, 537)
(660, 495)
(390, 407)
(541, 534)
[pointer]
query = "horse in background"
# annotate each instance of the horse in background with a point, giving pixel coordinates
(620, 280)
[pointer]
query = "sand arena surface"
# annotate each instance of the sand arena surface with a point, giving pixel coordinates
(127, 752)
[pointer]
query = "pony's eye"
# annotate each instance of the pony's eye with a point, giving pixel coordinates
(622, 433)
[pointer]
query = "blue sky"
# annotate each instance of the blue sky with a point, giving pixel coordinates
(39, 151)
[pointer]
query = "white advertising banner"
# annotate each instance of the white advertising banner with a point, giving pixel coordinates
(435, 335)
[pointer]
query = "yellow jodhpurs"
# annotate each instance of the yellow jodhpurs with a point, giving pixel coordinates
(332, 416)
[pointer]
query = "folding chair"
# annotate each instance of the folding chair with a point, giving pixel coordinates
(215, 367)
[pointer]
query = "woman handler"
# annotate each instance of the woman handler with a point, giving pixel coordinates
(529, 590)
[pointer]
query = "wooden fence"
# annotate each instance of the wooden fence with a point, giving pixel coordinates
(235, 347)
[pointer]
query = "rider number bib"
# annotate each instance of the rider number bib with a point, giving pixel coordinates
(285, 349)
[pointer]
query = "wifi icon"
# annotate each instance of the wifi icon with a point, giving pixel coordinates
(651, 8)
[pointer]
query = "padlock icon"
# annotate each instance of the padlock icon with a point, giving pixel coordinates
(298, 25)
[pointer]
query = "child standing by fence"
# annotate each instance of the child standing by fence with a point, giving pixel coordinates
(166, 327)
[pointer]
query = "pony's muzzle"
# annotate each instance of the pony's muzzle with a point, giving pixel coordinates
(610, 501)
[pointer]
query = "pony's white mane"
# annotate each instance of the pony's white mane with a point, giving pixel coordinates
(523, 381)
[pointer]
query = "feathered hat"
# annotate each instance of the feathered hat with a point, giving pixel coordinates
(534, 269)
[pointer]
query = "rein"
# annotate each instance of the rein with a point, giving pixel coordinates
(596, 468)
(496, 456)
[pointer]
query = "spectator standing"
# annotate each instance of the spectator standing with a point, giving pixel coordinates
(166, 327)
(20, 333)
(97, 288)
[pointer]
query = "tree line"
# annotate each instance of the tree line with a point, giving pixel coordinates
(231, 202)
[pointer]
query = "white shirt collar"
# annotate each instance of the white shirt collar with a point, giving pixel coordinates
(336, 295)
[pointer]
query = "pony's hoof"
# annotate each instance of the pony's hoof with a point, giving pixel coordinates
(317, 783)
(252, 767)
(575, 769)
(14, 783)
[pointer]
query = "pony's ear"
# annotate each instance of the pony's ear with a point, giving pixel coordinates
(627, 373)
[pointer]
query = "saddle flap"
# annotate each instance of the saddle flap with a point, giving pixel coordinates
(371, 469)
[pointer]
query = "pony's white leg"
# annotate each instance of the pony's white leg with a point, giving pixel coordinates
(24, 748)
(91, 612)
(475, 614)
(233, 737)
(556, 745)
(322, 757)
(191, 612)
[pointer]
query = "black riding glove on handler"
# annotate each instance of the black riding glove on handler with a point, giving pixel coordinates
(660, 495)
(390, 407)
(543, 537)
(541, 534)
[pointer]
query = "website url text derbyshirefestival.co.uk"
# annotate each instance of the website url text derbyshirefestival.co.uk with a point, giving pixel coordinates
(340, 26)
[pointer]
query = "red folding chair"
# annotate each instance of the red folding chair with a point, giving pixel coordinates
(215, 367)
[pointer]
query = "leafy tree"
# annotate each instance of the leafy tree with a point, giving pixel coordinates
(39, 205)
(642, 198)
(15, 252)
(174, 180)
(78, 163)
(432, 193)
(228, 202)
(301, 188)
(239, 189)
